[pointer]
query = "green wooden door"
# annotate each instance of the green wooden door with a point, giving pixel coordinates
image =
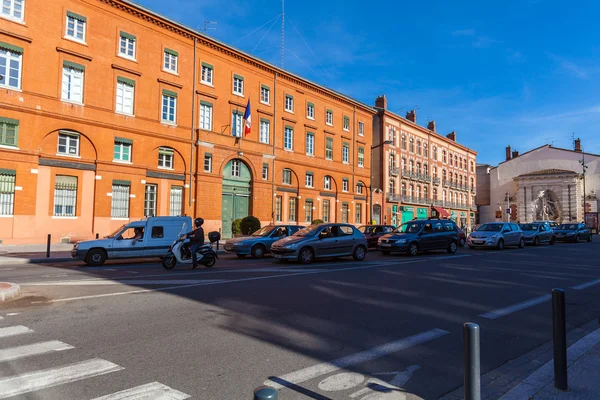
(236, 194)
(227, 215)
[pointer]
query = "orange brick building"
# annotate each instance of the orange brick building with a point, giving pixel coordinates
(110, 112)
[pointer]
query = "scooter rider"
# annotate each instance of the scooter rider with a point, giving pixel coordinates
(197, 239)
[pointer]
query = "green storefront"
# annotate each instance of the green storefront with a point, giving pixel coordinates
(407, 213)
(422, 213)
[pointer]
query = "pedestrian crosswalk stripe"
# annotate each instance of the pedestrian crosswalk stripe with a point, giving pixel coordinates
(14, 330)
(29, 382)
(150, 391)
(14, 353)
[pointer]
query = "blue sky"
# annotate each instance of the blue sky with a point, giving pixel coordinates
(523, 73)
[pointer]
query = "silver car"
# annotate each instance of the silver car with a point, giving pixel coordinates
(321, 241)
(497, 235)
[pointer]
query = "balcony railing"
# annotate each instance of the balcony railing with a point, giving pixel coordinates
(423, 178)
(473, 207)
(394, 171)
(451, 204)
(473, 189)
(446, 183)
(436, 181)
(394, 198)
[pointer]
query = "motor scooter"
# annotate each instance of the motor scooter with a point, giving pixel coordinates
(180, 252)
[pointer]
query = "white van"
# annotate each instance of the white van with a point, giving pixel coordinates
(149, 237)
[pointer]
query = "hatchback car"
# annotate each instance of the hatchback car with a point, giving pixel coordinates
(421, 235)
(321, 241)
(259, 243)
(573, 233)
(496, 235)
(374, 232)
(537, 233)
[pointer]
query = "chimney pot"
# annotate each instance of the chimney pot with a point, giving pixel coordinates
(515, 154)
(412, 116)
(452, 136)
(578, 145)
(508, 153)
(381, 102)
(431, 126)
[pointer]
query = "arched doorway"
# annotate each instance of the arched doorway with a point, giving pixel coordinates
(237, 181)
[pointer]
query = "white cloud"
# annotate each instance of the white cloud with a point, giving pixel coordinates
(569, 66)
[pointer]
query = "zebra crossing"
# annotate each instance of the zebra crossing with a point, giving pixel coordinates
(39, 380)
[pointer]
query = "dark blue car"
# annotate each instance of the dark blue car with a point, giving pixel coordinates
(421, 235)
(573, 233)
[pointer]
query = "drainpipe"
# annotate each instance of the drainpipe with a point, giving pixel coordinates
(193, 135)
(273, 150)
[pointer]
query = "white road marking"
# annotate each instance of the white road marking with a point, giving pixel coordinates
(586, 285)
(43, 379)
(121, 282)
(14, 330)
(516, 307)
(317, 370)
(53, 275)
(150, 391)
(14, 353)
(378, 389)
(1, 317)
(342, 381)
(7, 269)
(12, 313)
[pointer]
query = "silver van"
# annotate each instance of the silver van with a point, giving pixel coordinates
(149, 237)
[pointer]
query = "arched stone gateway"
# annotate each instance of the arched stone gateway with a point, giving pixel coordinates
(237, 184)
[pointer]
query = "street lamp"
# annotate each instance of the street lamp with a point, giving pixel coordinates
(371, 180)
(583, 167)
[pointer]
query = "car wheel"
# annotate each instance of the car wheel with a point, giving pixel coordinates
(258, 251)
(577, 238)
(590, 238)
(413, 249)
(360, 252)
(95, 257)
(522, 243)
(452, 247)
(462, 242)
(500, 244)
(553, 240)
(385, 252)
(306, 255)
(536, 241)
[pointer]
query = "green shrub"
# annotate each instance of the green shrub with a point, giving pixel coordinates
(249, 225)
(236, 228)
(317, 221)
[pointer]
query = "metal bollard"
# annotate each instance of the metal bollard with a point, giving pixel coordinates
(472, 363)
(559, 337)
(48, 246)
(265, 393)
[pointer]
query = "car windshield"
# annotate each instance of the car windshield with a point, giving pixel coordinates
(264, 231)
(409, 227)
(308, 231)
(115, 233)
(366, 229)
(529, 227)
(490, 228)
(567, 227)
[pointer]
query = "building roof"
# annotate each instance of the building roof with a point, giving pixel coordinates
(548, 172)
(550, 147)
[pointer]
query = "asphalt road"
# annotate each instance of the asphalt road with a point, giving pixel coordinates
(383, 329)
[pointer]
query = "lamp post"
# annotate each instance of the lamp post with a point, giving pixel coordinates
(583, 167)
(371, 180)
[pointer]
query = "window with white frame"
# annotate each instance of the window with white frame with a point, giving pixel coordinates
(119, 207)
(358, 217)
(309, 179)
(169, 107)
(165, 158)
(125, 95)
(206, 113)
(171, 60)
(176, 201)
(127, 45)
(12, 9)
(326, 210)
(346, 123)
(345, 209)
(310, 111)
(361, 157)
(310, 144)
(7, 191)
(238, 85)
(236, 124)
(265, 131)
(289, 103)
(207, 162)
(292, 206)
(329, 148)
(361, 129)
(359, 187)
(207, 73)
(9, 132)
(65, 196)
(11, 58)
(236, 169)
(327, 183)
(265, 171)
(288, 138)
(329, 117)
(287, 176)
(278, 208)
(346, 153)
(265, 94)
(150, 200)
(308, 210)
(68, 143)
(72, 82)
(76, 26)
(344, 185)
(122, 150)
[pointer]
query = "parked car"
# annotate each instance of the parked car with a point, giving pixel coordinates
(421, 235)
(374, 232)
(537, 233)
(259, 243)
(497, 235)
(321, 241)
(149, 237)
(573, 233)
(462, 237)
(553, 224)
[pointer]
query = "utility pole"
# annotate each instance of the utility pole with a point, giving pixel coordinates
(282, 29)
(583, 168)
(508, 207)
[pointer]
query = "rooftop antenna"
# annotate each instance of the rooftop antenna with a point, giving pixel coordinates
(282, 29)
(207, 26)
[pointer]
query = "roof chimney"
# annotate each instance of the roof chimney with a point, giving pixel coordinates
(452, 136)
(578, 145)
(381, 102)
(431, 126)
(412, 116)
(507, 153)
(515, 154)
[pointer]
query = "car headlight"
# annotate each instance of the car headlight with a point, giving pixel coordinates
(291, 245)
(493, 237)
(402, 241)
(75, 246)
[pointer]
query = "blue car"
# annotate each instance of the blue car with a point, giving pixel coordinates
(259, 243)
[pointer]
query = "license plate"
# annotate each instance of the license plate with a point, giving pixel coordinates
(276, 255)
(386, 245)
(478, 241)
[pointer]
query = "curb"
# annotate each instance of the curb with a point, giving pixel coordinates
(9, 291)
(18, 260)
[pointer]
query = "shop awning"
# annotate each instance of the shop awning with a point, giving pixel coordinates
(442, 212)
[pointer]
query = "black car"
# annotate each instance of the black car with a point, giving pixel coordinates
(374, 232)
(421, 235)
(573, 232)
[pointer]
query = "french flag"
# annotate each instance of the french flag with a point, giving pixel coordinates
(248, 119)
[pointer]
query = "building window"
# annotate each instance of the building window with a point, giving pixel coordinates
(150, 201)
(236, 168)
(238, 85)
(65, 196)
(456, 161)
(425, 149)
(122, 150)
(418, 191)
(450, 161)
(127, 44)
(9, 130)
(265, 172)
(120, 199)
(326, 207)
(265, 94)
(327, 183)
(434, 194)
(176, 201)
(125, 95)
(358, 210)
(309, 179)
(361, 129)
(278, 208)
(287, 176)
(344, 185)
(171, 58)
(236, 124)
(76, 25)
(292, 209)
(345, 213)
(425, 169)
(426, 192)
(165, 158)
(346, 123)
(403, 141)
(359, 188)
(289, 103)
(10, 65)
(207, 74)
(471, 166)
(418, 167)
(13, 9)
(329, 148)
(361, 157)
(169, 106)
(411, 145)
(68, 144)
(72, 82)
(411, 166)
(265, 127)
(310, 111)
(402, 188)
(329, 117)
(207, 162)
(206, 111)
(444, 156)
(411, 189)
(308, 211)
(310, 144)
(392, 186)
(346, 153)
(7, 192)
(434, 150)
(288, 138)
(418, 147)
